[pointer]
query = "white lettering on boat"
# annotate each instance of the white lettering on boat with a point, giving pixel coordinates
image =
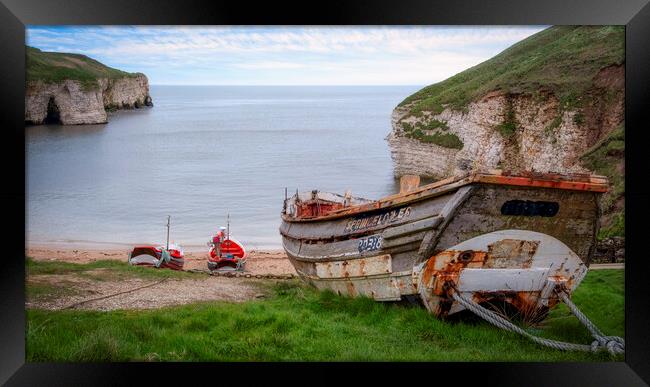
(377, 220)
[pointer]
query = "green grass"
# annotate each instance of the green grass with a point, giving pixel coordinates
(45, 291)
(110, 269)
(431, 132)
(560, 59)
(616, 228)
(433, 125)
(602, 298)
(447, 140)
(300, 323)
(55, 67)
(509, 125)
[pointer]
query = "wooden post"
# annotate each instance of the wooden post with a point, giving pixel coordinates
(284, 206)
(167, 244)
(408, 183)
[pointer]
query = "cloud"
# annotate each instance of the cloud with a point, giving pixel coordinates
(296, 55)
(269, 65)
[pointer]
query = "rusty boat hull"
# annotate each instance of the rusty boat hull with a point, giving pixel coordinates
(499, 238)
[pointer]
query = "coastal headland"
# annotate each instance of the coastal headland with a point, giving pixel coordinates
(73, 89)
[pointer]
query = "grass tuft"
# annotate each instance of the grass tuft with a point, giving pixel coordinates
(432, 132)
(509, 125)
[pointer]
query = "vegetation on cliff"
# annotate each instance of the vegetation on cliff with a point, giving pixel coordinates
(580, 67)
(55, 67)
(560, 59)
(607, 158)
(430, 133)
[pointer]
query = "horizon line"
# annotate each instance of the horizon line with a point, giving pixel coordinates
(296, 85)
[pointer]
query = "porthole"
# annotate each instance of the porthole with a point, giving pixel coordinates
(530, 208)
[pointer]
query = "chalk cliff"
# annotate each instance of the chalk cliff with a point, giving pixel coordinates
(545, 137)
(74, 89)
(553, 102)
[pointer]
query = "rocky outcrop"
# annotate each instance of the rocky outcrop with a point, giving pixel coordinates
(71, 103)
(610, 250)
(543, 136)
(127, 93)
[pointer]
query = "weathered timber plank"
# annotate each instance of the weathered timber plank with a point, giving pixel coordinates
(447, 213)
(412, 227)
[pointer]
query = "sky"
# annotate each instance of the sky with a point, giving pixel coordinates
(210, 55)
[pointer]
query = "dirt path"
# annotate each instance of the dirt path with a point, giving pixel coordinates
(64, 290)
(71, 291)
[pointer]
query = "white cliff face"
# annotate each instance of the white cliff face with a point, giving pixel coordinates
(126, 92)
(547, 138)
(76, 105)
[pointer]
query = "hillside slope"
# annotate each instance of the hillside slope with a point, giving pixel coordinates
(75, 89)
(553, 102)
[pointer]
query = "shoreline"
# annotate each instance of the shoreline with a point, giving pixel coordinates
(112, 246)
(258, 261)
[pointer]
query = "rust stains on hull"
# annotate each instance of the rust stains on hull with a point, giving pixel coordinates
(497, 238)
(506, 271)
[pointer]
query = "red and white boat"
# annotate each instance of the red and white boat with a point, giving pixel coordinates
(170, 256)
(160, 257)
(225, 252)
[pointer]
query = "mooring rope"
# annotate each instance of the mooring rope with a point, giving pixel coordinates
(613, 344)
(114, 294)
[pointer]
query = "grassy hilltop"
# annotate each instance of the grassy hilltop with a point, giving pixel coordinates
(562, 61)
(54, 67)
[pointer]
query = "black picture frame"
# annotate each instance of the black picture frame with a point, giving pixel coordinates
(16, 14)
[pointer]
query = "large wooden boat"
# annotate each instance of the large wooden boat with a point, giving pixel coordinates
(494, 237)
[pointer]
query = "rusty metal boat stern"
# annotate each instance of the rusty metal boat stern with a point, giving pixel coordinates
(513, 271)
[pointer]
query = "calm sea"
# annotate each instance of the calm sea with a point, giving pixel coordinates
(200, 153)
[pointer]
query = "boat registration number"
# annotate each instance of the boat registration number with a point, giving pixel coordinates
(370, 244)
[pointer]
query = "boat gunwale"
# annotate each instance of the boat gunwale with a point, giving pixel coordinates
(576, 182)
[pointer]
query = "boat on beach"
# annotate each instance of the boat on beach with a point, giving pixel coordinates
(171, 257)
(225, 253)
(230, 256)
(492, 237)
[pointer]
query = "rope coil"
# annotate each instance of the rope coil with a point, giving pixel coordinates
(613, 344)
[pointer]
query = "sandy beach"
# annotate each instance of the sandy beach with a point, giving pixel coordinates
(258, 261)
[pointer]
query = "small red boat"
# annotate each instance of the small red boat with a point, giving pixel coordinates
(169, 256)
(225, 252)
